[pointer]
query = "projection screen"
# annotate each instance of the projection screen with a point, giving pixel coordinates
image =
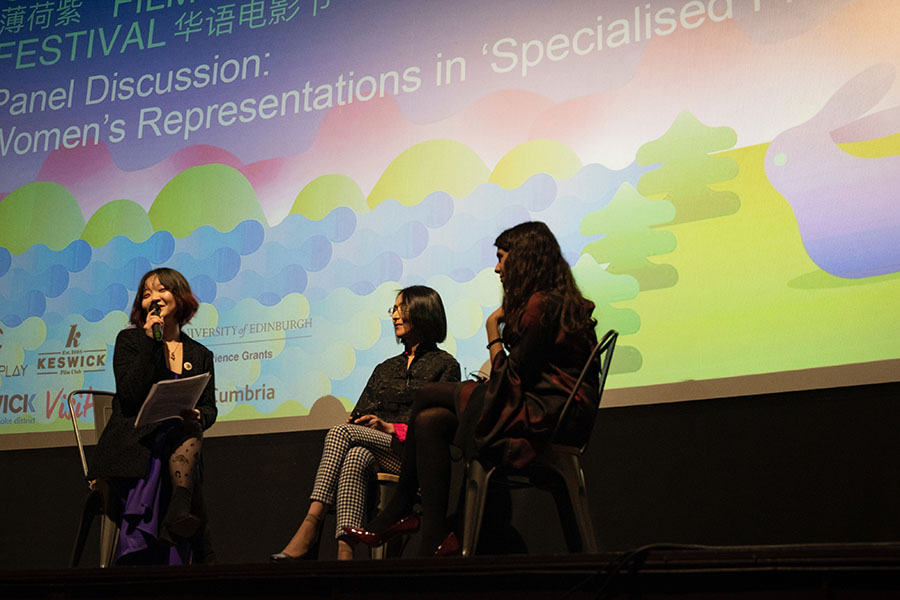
(723, 177)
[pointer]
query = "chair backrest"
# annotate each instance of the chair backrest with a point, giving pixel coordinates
(602, 355)
(102, 411)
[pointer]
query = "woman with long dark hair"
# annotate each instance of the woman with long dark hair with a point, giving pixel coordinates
(153, 469)
(539, 340)
(375, 430)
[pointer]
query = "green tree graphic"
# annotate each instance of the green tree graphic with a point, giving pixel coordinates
(627, 223)
(688, 169)
(604, 288)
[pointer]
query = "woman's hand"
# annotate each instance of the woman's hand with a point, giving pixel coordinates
(496, 317)
(191, 415)
(373, 422)
(150, 322)
(492, 328)
(492, 325)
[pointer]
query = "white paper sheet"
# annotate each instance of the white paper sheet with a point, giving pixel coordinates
(168, 399)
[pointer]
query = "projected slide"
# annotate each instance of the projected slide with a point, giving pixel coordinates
(723, 176)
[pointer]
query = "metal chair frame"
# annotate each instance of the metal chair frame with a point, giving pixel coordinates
(98, 498)
(387, 483)
(556, 463)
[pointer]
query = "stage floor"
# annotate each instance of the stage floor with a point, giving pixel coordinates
(801, 571)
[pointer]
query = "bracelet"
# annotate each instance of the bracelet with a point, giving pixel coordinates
(494, 341)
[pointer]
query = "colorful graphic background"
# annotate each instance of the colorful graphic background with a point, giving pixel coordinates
(724, 187)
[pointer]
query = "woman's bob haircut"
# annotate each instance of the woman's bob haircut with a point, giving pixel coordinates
(425, 312)
(179, 287)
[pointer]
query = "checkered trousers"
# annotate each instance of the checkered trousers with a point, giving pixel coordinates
(350, 458)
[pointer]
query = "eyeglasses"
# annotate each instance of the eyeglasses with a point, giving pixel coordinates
(396, 307)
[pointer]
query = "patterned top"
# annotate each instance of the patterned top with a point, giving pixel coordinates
(391, 387)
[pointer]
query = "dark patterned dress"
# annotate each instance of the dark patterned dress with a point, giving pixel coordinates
(510, 418)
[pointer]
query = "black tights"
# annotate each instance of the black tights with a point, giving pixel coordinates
(425, 466)
(183, 463)
(183, 468)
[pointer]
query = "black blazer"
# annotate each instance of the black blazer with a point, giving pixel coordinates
(138, 362)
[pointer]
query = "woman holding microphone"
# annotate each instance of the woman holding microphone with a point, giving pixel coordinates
(153, 470)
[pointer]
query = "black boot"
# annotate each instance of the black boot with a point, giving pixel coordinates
(179, 523)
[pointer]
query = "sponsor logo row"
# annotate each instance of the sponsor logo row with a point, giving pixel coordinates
(53, 404)
(72, 359)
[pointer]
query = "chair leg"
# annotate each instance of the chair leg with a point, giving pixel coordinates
(385, 492)
(91, 507)
(109, 541)
(477, 479)
(569, 467)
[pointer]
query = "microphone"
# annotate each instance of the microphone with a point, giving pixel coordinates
(156, 328)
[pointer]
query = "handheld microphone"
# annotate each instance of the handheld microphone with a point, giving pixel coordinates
(156, 328)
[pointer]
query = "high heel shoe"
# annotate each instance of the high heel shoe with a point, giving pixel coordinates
(283, 557)
(312, 549)
(449, 547)
(408, 524)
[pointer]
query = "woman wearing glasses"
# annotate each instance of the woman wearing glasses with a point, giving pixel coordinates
(375, 430)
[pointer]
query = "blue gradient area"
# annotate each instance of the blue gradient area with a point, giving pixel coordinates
(100, 275)
(50, 282)
(245, 238)
(73, 257)
(5, 261)
(433, 211)
(337, 226)
(30, 303)
(267, 290)
(158, 248)
(459, 262)
(224, 304)
(204, 287)
(222, 265)
(491, 202)
(313, 255)
(538, 193)
(362, 279)
(408, 240)
(94, 307)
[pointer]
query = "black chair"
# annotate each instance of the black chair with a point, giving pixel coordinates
(98, 498)
(557, 469)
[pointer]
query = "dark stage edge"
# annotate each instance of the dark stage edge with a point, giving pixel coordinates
(660, 570)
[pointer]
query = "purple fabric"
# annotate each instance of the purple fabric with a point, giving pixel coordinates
(144, 506)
